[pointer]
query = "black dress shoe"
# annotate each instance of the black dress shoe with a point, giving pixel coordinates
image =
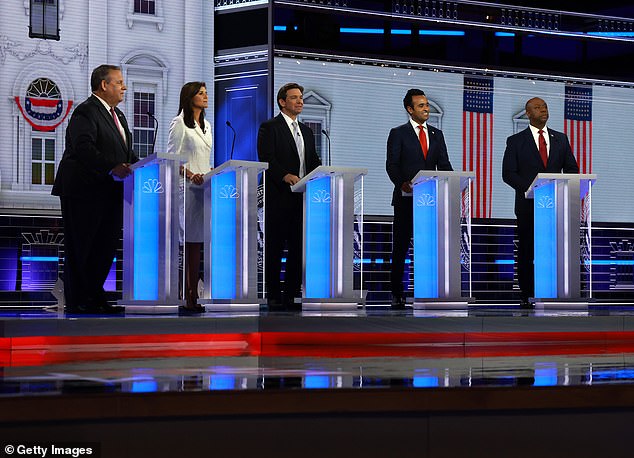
(191, 310)
(107, 309)
(76, 309)
(398, 303)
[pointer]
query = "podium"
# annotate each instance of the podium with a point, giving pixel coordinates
(150, 235)
(437, 239)
(328, 249)
(231, 237)
(557, 206)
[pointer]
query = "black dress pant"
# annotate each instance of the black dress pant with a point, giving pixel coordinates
(525, 252)
(284, 229)
(92, 229)
(402, 230)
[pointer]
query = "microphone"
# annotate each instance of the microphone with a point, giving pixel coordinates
(328, 137)
(233, 143)
(156, 125)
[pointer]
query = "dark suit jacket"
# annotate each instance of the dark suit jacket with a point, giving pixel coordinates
(277, 147)
(94, 147)
(405, 156)
(522, 163)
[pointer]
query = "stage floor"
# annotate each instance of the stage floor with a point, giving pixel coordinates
(49, 354)
(370, 383)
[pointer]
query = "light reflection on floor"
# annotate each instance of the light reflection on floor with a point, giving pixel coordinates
(257, 373)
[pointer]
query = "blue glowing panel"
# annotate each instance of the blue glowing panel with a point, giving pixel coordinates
(221, 382)
(318, 204)
(223, 236)
(147, 190)
(545, 241)
(426, 240)
(424, 381)
(545, 374)
(316, 381)
(144, 386)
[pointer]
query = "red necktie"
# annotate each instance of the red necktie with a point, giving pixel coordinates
(423, 140)
(116, 122)
(543, 151)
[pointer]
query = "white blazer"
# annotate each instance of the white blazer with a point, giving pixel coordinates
(192, 143)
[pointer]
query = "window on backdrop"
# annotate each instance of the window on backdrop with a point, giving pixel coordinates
(143, 130)
(42, 160)
(316, 127)
(44, 19)
(145, 7)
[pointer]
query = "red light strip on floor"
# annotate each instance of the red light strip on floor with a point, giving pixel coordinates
(41, 350)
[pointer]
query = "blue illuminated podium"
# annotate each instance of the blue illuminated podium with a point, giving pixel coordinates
(328, 250)
(557, 206)
(437, 239)
(231, 237)
(150, 235)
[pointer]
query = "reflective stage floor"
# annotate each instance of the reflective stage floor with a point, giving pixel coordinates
(370, 383)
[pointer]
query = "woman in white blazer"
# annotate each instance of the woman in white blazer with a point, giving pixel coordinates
(190, 135)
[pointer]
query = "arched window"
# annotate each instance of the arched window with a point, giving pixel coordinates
(43, 87)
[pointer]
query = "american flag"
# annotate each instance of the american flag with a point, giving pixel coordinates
(578, 124)
(477, 140)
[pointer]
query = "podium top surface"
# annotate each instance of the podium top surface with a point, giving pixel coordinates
(325, 170)
(152, 158)
(544, 178)
(426, 174)
(234, 164)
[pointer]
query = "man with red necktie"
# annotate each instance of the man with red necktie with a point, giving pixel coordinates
(411, 147)
(536, 149)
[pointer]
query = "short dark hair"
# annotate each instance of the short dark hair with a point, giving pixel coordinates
(281, 94)
(188, 92)
(99, 74)
(407, 100)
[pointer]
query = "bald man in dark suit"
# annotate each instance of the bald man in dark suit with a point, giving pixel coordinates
(521, 163)
(88, 182)
(411, 147)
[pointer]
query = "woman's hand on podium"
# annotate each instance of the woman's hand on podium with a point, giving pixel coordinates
(196, 178)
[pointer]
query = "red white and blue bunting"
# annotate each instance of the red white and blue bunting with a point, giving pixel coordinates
(42, 113)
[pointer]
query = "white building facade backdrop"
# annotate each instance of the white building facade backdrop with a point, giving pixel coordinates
(159, 45)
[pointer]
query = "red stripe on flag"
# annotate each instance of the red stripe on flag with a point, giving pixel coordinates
(43, 102)
(470, 141)
(464, 144)
(585, 164)
(478, 172)
(485, 167)
(590, 152)
(490, 116)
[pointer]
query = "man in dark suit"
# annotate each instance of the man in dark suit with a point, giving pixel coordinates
(534, 150)
(88, 182)
(289, 148)
(411, 147)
